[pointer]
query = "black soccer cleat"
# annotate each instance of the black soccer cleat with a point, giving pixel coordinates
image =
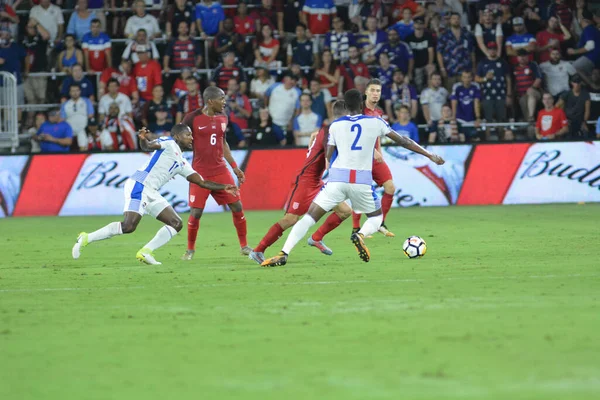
(363, 251)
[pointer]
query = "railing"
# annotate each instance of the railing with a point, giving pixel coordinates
(9, 114)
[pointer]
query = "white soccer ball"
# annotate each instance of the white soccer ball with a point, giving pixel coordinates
(414, 247)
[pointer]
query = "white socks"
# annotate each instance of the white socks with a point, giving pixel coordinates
(161, 238)
(371, 225)
(110, 230)
(298, 232)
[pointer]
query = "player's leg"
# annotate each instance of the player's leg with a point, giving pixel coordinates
(364, 200)
(341, 212)
(355, 222)
(130, 222)
(163, 212)
(197, 201)
(239, 221)
(383, 178)
(272, 235)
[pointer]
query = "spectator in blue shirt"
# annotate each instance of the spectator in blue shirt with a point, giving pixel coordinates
(455, 52)
(404, 125)
(209, 18)
(405, 27)
(301, 50)
(80, 22)
(77, 78)
(400, 53)
(12, 56)
(55, 136)
(466, 98)
(589, 47)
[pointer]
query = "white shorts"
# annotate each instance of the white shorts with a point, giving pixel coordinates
(363, 197)
(142, 199)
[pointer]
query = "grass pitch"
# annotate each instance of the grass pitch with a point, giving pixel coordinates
(504, 306)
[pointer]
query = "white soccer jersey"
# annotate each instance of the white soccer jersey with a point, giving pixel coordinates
(355, 137)
(163, 165)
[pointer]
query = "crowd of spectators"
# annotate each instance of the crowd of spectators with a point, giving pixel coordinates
(452, 65)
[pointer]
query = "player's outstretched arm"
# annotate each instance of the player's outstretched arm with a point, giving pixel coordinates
(197, 179)
(145, 144)
(411, 145)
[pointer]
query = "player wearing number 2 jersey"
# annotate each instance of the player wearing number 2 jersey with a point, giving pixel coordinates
(304, 188)
(350, 147)
(208, 127)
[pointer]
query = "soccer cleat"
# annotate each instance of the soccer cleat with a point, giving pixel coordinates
(82, 241)
(385, 232)
(278, 260)
(320, 245)
(354, 230)
(145, 255)
(246, 250)
(363, 251)
(257, 256)
(189, 254)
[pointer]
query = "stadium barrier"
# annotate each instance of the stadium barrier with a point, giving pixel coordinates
(512, 173)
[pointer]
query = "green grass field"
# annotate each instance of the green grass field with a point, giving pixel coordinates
(506, 305)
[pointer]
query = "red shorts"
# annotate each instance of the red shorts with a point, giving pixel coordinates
(302, 194)
(198, 195)
(381, 173)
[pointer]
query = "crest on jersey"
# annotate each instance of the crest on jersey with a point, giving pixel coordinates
(192, 198)
(295, 205)
(223, 126)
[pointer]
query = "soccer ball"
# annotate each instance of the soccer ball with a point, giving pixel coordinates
(414, 247)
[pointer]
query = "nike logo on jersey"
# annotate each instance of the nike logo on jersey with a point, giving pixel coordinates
(202, 127)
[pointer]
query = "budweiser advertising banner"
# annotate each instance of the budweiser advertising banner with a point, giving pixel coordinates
(91, 184)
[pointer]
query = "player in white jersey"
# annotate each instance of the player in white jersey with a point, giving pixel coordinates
(350, 148)
(142, 196)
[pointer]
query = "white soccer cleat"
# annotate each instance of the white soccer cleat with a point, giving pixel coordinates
(82, 241)
(145, 255)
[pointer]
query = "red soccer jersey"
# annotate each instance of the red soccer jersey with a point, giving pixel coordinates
(350, 71)
(244, 26)
(542, 39)
(147, 76)
(377, 112)
(314, 166)
(550, 122)
(127, 82)
(209, 134)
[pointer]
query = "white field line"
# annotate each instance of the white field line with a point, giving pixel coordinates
(342, 282)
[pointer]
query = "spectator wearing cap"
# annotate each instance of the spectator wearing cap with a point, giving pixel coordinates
(180, 11)
(562, 10)
(54, 136)
(576, 103)
(228, 40)
(589, 47)
(282, 99)
(493, 76)
(141, 40)
(260, 83)
(338, 41)
(124, 75)
(371, 41)
(77, 78)
(238, 110)
(488, 31)
(422, 54)
(455, 51)
(550, 39)
(147, 73)
(556, 74)
(433, 98)
(301, 50)
(77, 111)
(466, 100)
(161, 126)
(141, 20)
(351, 69)
(306, 122)
(520, 40)
(97, 49)
(209, 18)
(228, 70)
(400, 92)
(528, 82)
(156, 102)
(317, 14)
(551, 121)
(190, 101)
(406, 26)
(113, 95)
(80, 21)
(182, 51)
(51, 18)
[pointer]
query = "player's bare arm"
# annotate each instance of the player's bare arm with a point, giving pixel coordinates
(197, 179)
(313, 136)
(145, 144)
(227, 154)
(328, 155)
(411, 145)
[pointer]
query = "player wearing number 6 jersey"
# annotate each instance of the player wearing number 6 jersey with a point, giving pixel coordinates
(142, 196)
(350, 148)
(208, 127)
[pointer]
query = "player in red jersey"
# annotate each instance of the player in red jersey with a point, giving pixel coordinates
(208, 126)
(305, 188)
(381, 172)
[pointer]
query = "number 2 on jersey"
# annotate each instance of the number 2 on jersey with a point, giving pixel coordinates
(358, 129)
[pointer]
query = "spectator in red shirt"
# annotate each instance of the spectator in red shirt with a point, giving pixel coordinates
(269, 13)
(266, 49)
(528, 78)
(400, 5)
(351, 69)
(317, 15)
(128, 85)
(551, 121)
(551, 38)
(97, 50)
(244, 24)
(147, 73)
(191, 101)
(240, 111)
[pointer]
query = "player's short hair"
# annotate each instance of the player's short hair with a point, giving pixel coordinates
(339, 108)
(211, 93)
(354, 100)
(179, 129)
(375, 82)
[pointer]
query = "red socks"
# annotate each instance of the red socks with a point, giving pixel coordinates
(271, 237)
(332, 222)
(355, 220)
(386, 203)
(240, 226)
(193, 226)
